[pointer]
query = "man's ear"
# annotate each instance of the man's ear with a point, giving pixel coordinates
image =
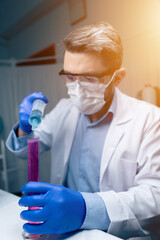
(120, 74)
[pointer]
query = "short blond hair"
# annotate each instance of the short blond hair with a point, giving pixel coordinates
(99, 38)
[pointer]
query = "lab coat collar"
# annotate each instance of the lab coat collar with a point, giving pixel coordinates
(122, 117)
(123, 114)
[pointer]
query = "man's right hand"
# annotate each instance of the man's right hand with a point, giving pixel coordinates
(25, 109)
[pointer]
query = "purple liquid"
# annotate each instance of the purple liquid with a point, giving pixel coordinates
(33, 167)
(33, 175)
(33, 159)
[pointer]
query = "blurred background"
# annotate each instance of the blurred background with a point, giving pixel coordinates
(31, 55)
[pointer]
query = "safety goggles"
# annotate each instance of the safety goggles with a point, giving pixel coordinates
(72, 77)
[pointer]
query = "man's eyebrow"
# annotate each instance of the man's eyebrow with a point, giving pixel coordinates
(65, 72)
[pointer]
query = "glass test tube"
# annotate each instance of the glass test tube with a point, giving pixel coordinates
(33, 159)
(33, 175)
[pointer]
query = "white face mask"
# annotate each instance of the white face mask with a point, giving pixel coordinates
(88, 97)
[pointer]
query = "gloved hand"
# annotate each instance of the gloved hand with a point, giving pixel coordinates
(63, 210)
(25, 109)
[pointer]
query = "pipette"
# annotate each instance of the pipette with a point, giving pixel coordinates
(37, 113)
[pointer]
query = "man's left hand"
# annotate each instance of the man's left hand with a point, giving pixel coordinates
(61, 209)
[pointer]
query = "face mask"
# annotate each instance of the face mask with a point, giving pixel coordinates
(88, 97)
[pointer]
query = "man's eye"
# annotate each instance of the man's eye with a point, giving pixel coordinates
(92, 79)
(70, 77)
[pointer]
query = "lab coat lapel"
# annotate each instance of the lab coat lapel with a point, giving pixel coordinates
(71, 124)
(112, 140)
(123, 116)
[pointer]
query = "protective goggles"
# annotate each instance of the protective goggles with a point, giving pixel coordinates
(72, 77)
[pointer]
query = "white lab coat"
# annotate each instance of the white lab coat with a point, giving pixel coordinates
(130, 165)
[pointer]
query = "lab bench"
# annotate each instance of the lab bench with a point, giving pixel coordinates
(11, 224)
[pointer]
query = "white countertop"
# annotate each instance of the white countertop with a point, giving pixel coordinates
(11, 223)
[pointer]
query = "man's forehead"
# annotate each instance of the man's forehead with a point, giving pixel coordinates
(83, 62)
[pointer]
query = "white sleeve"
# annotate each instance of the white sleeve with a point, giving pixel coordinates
(45, 131)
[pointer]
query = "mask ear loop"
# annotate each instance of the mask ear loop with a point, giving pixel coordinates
(108, 85)
(110, 79)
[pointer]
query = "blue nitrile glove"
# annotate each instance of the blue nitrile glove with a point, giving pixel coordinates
(63, 210)
(25, 109)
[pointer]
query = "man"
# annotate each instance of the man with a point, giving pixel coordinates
(104, 145)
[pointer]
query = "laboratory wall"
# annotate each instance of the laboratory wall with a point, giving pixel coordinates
(17, 83)
(137, 21)
(4, 54)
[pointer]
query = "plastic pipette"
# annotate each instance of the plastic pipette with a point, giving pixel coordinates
(37, 113)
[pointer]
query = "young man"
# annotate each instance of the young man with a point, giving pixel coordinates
(105, 146)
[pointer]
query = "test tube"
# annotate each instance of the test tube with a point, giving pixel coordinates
(33, 159)
(33, 175)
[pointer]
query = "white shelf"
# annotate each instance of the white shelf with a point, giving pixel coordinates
(10, 170)
(4, 164)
